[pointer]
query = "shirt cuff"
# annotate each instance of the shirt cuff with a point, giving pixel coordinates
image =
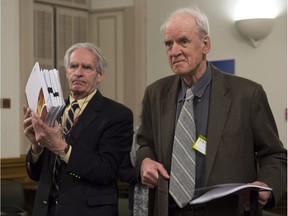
(67, 156)
(35, 157)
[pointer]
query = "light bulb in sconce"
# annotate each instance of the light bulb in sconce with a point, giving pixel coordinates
(255, 29)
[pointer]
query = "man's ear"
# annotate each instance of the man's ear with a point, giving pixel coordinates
(206, 44)
(100, 76)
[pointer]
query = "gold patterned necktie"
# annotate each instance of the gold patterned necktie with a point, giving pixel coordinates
(71, 115)
(182, 176)
(68, 125)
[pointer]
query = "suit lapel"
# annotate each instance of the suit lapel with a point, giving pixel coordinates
(88, 115)
(168, 111)
(218, 113)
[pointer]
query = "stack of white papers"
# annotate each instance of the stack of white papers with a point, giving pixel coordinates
(221, 190)
(44, 93)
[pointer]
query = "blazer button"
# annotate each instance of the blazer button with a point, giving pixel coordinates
(44, 202)
(28, 165)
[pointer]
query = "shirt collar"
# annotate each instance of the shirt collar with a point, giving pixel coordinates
(199, 87)
(84, 100)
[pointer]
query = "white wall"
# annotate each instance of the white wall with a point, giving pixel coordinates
(10, 73)
(266, 64)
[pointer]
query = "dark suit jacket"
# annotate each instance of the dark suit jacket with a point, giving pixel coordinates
(101, 137)
(241, 133)
(128, 174)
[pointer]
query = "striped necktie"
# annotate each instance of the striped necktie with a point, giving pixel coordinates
(68, 125)
(71, 116)
(182, 176)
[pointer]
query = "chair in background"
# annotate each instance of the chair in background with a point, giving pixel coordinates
(12, 199)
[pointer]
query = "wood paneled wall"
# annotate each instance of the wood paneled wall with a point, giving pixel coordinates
(14, 169)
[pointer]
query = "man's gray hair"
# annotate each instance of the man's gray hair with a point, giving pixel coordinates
(101, 60)
(201, 20)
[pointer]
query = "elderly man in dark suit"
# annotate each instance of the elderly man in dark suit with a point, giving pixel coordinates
(239, 138)
(88, 155)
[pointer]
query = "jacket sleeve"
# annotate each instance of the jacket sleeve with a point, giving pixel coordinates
(270, 153)
(145, 137)
(34, 168)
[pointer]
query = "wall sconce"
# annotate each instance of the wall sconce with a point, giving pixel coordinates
(255, 29)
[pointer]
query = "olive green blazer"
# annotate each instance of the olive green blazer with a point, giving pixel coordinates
(242, 134)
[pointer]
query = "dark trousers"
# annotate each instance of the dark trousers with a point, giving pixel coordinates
(53, 208)
(175, 210)
(195, 211)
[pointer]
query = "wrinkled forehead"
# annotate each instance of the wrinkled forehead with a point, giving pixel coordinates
(183, 21)
(183, 24)
(82, 55)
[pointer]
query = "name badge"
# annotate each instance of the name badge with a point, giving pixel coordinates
(200, 144)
